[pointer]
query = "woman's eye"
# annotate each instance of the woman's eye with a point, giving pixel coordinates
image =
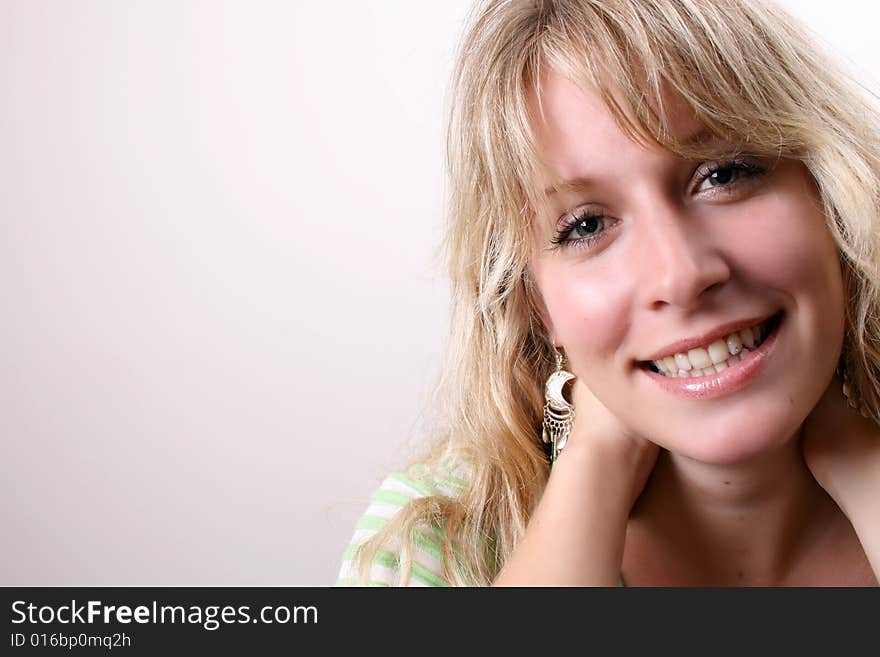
(581, 230)
(587, 226)
(725, 175)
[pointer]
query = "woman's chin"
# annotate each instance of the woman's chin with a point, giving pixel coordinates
(733, 444)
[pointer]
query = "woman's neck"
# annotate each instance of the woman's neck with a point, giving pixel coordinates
(752, 523)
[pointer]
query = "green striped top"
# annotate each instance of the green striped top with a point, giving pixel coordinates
(395, 491)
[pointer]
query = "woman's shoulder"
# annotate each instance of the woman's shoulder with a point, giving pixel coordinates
(447, 479)
(394, 493)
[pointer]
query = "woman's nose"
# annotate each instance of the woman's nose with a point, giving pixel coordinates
(681, 262)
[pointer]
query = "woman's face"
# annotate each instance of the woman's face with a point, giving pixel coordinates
(648, 254)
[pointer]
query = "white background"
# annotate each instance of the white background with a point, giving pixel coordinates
(220, 306)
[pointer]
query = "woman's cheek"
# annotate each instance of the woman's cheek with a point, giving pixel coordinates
(787, 234)
(590, 318)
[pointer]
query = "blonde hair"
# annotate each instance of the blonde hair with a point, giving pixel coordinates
(750, 74)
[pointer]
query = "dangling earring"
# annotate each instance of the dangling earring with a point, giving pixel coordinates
(853, 398)
(558, 413)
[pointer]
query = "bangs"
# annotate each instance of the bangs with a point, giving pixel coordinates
(648, 61)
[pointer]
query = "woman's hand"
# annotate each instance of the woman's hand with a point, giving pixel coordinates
(576, 535)
(599, 431)
(842, 450)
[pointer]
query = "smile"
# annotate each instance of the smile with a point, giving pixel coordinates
(716, 356)
(721, 367)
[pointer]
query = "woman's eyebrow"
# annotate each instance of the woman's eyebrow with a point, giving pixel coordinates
(569, 184)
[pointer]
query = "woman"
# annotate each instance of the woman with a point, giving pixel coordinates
(676, 205)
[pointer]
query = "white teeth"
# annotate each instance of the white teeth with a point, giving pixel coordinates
(683, 363)
(715, 358)
(699, 358)
(718, 351)
(734, 343)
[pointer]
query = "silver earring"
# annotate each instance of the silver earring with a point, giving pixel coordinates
(853, 398)
(558, 413)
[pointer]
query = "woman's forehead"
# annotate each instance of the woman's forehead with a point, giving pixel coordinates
(575, 130)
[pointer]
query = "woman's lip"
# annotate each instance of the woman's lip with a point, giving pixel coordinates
(728, 380)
